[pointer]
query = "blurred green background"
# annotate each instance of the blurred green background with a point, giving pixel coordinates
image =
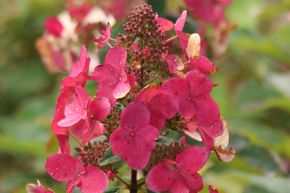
(253, 94)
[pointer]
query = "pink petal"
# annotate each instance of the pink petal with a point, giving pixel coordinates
(198, 84)
(70, 186)
(192, 159)
(208, 117)
(116, 57)
(53, 26)
(179, 186)
(82, 66)
(93, 181)
(147, 94)
(135, 116)
(193, 182)
(100, 108)
(171, 62)
(160, 178)
(187, 108)
(183, 40)
(62, 167)
(121, 90)
(179, 25)
(106, 75)
(175, 86)
(165, 24)
(165, 104)
(203, 64)
(104, 38)
(37, 188)
(63, 142)
(72, 118)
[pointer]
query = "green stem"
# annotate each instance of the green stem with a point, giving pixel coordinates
(123, 181)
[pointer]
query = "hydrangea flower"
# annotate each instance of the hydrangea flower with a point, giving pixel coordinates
(111, 76)
(65, 168)
(37, 188)
(135, 138)
(104, 38)
(179, 175)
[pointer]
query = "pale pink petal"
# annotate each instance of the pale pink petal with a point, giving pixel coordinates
(160, 178)
(100, 108)
(192, 159)
(165, 24)
(93, 181)
(61, 167)
(135, 116)
(179, 25)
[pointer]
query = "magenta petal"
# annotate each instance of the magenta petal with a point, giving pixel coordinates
(179, 25)
(146, 95)
(175, 87)
(134, 147)
(160, 177)
(61, 167)
(203, 64)
(100, 108)
(82, 66)
(165, 104)
(116, 57)
(212, 189)
(179, 186)
(198, 84)
(93, 181)
(192, 159)
(208, 117)
(135, 116)
(63, 142)
(53, 26)
(171, 62)
(187, 108)
(193, 181)
(70, 186)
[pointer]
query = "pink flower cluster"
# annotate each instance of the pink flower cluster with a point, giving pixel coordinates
(127, 94)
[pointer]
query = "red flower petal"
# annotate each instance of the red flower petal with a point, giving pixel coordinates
(179, 25)
(198, 84)
(203, 64)
(53, 26)
(192, 159)
(165, 24)
(62, 167)
(160, 178)
(135, 116)
(116, 57)
(93, 181)
(100, 108)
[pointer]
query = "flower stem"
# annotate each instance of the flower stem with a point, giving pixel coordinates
(134, 184)
(123, 181)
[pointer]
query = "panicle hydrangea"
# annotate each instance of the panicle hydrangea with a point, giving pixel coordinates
(146, 92)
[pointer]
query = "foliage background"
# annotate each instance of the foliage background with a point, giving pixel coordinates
(253, 93)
